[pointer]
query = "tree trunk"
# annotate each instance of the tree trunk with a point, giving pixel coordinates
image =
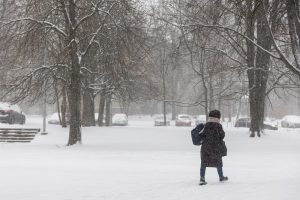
(88, 113)
(250, 28)
(164, 95)
(173, 94)
(75, 104)
(211, 94)
(259, 74)
(229, 112)
(101, 108)
(206, 103)
(238, 110)
(64, 108)
(174, 80)
(75, 87)
(173, 107)
(108, 110)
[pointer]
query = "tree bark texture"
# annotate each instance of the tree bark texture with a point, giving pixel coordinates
(211, 94)
(108, 110)
(88, 112)
(75, 86)
(259, 68)
(64, 108)
(101, 108)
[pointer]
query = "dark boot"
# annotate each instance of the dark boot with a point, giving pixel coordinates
(202, 181)
(224, 178)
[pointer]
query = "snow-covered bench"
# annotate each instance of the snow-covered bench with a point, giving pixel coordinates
(18, 134)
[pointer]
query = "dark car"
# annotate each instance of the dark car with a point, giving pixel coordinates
(11, 114)
(246, 122)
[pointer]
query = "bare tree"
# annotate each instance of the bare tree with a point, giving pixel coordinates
(63, 25)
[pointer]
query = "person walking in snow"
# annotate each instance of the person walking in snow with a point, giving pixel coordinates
(213, 147)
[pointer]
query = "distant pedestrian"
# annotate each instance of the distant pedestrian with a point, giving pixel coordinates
(213, 147)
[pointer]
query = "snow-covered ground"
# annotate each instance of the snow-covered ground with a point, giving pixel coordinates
(143, 162)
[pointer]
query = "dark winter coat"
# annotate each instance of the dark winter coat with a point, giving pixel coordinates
(211, 149)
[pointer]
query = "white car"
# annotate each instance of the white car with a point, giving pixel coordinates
(290, 121)
(120, 119)
(54, 119)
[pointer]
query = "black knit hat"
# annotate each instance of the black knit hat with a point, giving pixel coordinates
(215, 113)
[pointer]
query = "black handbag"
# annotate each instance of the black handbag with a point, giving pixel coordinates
(223, 148)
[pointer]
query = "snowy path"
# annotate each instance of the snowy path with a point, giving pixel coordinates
(141, 162)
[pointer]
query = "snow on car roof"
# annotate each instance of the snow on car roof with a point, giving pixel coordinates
(54, 116)
(119, 116)
(5, 105)
(183, 116)
(292, 118)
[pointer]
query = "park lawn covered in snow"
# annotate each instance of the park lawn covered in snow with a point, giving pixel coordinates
(142, 162)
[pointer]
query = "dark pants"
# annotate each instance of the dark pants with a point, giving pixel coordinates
(203, 168)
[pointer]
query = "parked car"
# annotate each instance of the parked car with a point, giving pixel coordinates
(243, 122)
(290, 121)
(183, 120)
(159, 121)
(246, 122)
(120, 119)
(11, 114)
(201, 119)
(54, 119)
(270, 125)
